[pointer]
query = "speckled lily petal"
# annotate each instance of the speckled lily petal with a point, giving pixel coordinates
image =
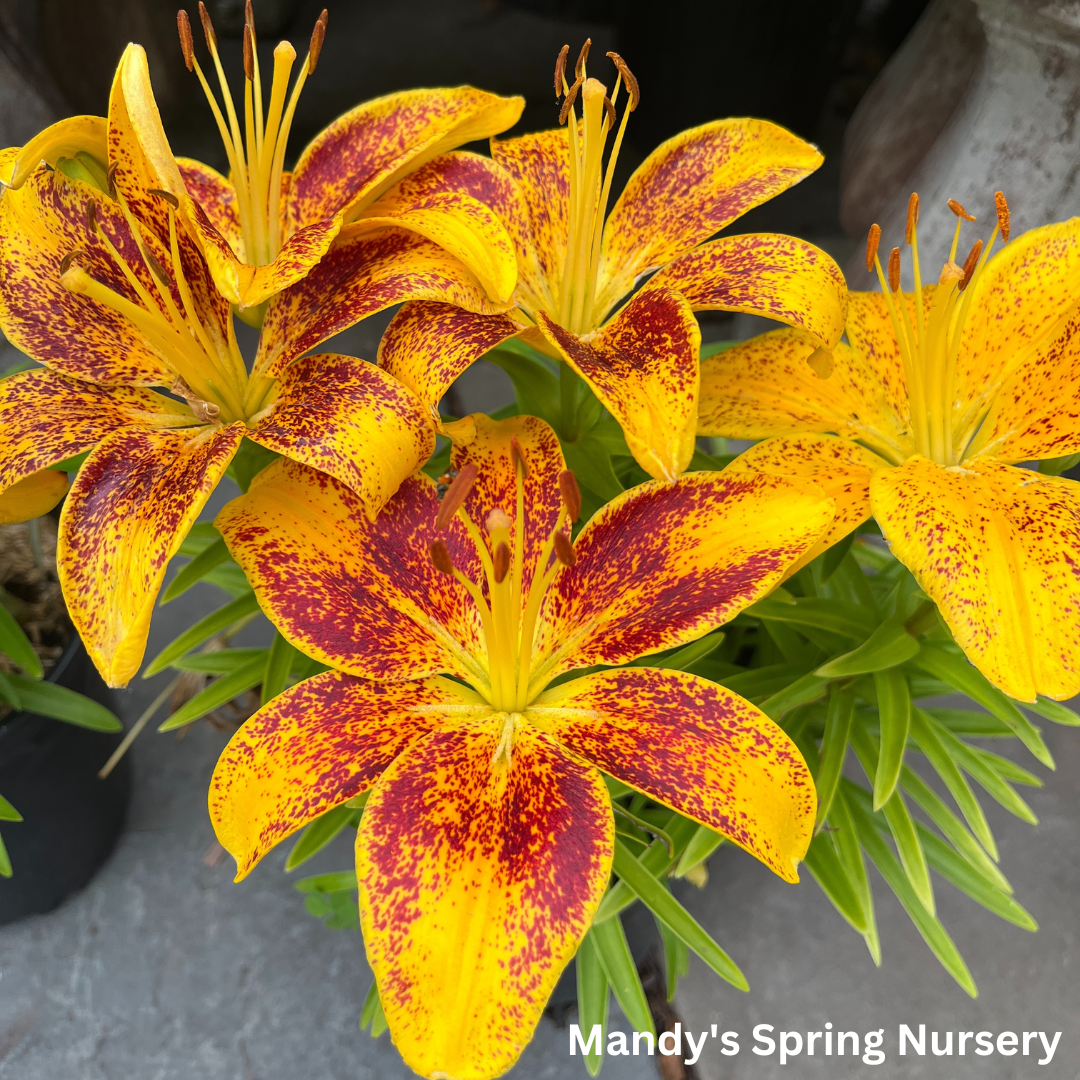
(693, 746)
(662, 564)
(643, 366)
(315, 746)
(65, 138)
(127, 513)
(693, 185)
(428, 345)
(358, 595)
(478, 878)
(216, 195)
(778, 277)
(365, 152)
(32, 496)
(995, 548)
(350, 419)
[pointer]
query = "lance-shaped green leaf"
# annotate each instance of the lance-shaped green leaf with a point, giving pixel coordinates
(372, 1015)
(824, 862)
(17, 645)
(702, 844)
(336, 881)
(218, 693)
(969, 722)
(60, 703)
(656, 897)
(218, 662)
(1054, 711)
(319, 833)
(682, 658)
(611, 946)
(851, 857)
(208, 559)
(954, 669)
(808, 688)
(592, 1000)
(5, 860)
(890, 644)
(836, 616)
(763, 681)
(834, 556)
(894, 712)
(833, 748)
(214, 623)
(279, 661)
(8, 694)
(1009, 770)
(8, 812)
(535, 385)
(676, 956)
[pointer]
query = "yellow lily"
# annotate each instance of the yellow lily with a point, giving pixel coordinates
(263, 229)
(577, 264)
(920, 420)
(106, 286)
(486, 842)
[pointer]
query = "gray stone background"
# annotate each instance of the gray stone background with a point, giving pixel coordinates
(163, 968)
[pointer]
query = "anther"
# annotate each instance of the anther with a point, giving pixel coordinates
(165, 196)
(560, 71)
(156, 268)
(187, 46)
(440, 558)
(455, 495)
(912, 217)
(873, 238)
(959, 210)
(249, 55)
(583, 56)
(632, 87)
(1002, 208)
(91, 215)
(249, 16)
(568, 104)
(208, 27)
(894, 269)
(497, 519)
(564, 550)
(65, 262)
(970, 263)
(609, 109)
(571, 494)
(518, 457)
(110, 180)
(318, 36)
(501, 563)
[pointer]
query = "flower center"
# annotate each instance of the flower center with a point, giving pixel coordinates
(508, 607)
(590, 181)
(256, 156)
(929, 339)
(209, 369)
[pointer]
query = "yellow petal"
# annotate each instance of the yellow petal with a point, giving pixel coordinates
(480, 872)
(312, 748)
(693, 746)
(357, 594)
(127, 513)
(778, 277)
(65, 138)
(995, 548)
(216, 195)
(662, 564)
(693, 185)
(32, 496)
(643, 366)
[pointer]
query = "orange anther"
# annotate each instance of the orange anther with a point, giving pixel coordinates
(183, 26)
(440, 558)
(91, 215)
(894, 269)
(568, 104)
(208, 27)
(165, 196)
(912, 217)
(501, 563)
(110, 180)
(156, 268)
(455, 495)
(970, 263)
(318, 36)
(959, 210)
(1002, 208)
(65, 262)
(560, 71)
(873, 238)
(579, 67)
(632, 87)
(249, 54)
(564, 549)
(518, 456)
(571, 494)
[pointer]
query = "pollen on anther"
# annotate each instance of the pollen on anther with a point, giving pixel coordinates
(873, 238)
(560, 71)
(455, 495)
(570, 493)
(208, 27)
(568, 104)
(894, 269)
(959, 211)
(1002, 208)
(187, 46)
(165, 196)
(970, 263)
(156, 268)
(501, 563)
(65, 262)
(91, 215)
(632, 87)
(912, 217)
(249, 54)
(583, 56)
(318, 36)
(609, 110)
(110, 180)
(564, 549)
(440, 558)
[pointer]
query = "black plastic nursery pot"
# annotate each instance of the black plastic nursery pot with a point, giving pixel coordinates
(71, 819)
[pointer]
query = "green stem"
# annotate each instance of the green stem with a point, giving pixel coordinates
(568, 395)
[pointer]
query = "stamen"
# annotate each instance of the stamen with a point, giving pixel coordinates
(873, 238)
(560, 71)
(65, 262)
(632, 87)
(249, 55)
(959, 211)
(440, 558)
(518, 457)
(208, 27)
(1002, 208)
(187, 46)
(912, 217)
(570, 493)
(110, 180)
(609, 111)
(456, 495)
(568, 104)
(583, 56)
(318, 36)
(156, 268)
(166, 196)
(564, 549)
(894, 269)
(970, 263)
(91, 215)
(501, 561)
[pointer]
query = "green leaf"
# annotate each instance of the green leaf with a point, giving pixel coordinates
(5, 860)
(954, 669)
(17, 645)
(834, 556)
(220, 662)
(932, 931)
(319, 833)
(963, 875)
(923, 731)
(969, 722)
(279, 661)
(848, 848)
(592, 999)
(894, 710)
(230, 578)
(1056, 466)
(372, 1015)
(824, 862)
(833, 748)
(8, 812)
(535, 384)
(702, 844)
(199, 537)
(60, 703)
(592, 466)
(205, 628)
(8, 693)
(656, 897)
(1009, 770)
(338, 881)
(758, 682)
(808, 688)
(218, 693)
(248, 462)
(212, 556)
(1054, 711)
(890, 644)
(836, 616)
(682, 658)
(676, 957)
(609, 940)
(714, 347)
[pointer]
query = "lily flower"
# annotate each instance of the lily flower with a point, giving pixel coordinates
(921, 419)
(486, 841)
(105, 285)
(263, 228)
(577, 264)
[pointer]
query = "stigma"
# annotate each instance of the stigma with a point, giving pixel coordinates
(508, 605)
